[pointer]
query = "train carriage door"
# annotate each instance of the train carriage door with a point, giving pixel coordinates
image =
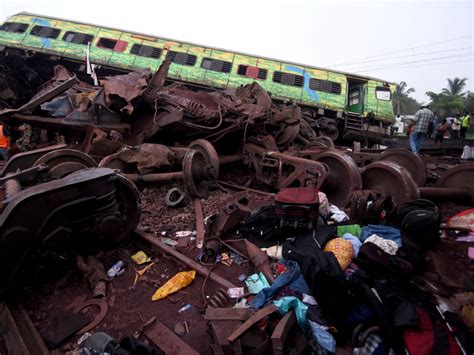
(355, 95)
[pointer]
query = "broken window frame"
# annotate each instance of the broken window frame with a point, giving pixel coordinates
(14, 27)
(119, 45)
(331, 87)
(354, 96)
(45, 32)
(289, 79)
(86, 37)
(383, 89)
(252, 72)
(217, 65)
(143, 50)
(185, 58)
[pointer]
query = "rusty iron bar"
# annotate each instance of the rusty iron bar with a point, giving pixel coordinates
(178, 175)
(445, 193)
(244, 188)
(200, 269)
(231, 159)
(199, 223)
(162, 337)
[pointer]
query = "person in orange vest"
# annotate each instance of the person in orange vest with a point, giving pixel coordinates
(4, 142)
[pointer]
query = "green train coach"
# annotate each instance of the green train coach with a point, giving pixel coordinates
(336, 103)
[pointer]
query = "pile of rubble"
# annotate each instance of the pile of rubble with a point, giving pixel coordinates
(289, 244)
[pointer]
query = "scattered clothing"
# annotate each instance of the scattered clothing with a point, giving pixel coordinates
(389, 246)
(385, 232)
(324, 207)
(293, 279)
(322, 336)
(256, 283)
(343, 251)
(356, 243)
(337, 215)
(353, 229)
(285, 304)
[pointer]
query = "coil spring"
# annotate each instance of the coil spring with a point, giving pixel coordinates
(218, 299)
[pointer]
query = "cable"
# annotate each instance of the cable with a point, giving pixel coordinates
(408, 55)
(404, 50)
(422, 65)
(388, 65)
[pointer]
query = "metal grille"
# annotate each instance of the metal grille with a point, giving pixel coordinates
(106, 43)
(325, 86)
(288, 79)
(14, 27)
(77, 37)
(45, 32)
(216, 65)
(181, 58)
(146, 51)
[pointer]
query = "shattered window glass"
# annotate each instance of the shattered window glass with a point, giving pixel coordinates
(181, 58)
(76, 37)
(45, 32)
(216, 65)
(325, 86)
(145, 51)
(14, 27)
(288, 79)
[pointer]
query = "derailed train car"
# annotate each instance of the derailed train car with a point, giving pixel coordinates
(335, 104)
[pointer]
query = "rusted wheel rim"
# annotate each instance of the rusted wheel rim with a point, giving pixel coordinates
(321, 141)
(113, 162)
(459, 177)
(344, 177)
(63, 162)
(209, 152)
(413, 163)
(197, 173)
(390, 179)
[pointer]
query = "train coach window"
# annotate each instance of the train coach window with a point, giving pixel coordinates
(216, 65)
(382, 93)
(325, 86)
(145, 51)
(77, 37)
(45, 32)
(181, 58)
(252, 72)
(14, 27)
(288, 79)
(354, 96)
(112, 44)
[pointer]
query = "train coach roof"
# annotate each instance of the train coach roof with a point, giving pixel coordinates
(351, 75)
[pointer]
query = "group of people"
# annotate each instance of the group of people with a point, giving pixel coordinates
(426, 122)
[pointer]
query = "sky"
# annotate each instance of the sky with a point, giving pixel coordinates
(417, 41)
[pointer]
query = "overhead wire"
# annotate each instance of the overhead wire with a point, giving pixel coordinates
(402, 50)
(417, 66)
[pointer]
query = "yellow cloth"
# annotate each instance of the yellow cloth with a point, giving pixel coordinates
(466, 121)
(342, 250)
(176, 283)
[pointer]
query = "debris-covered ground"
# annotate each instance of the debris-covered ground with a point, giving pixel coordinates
(171, 220)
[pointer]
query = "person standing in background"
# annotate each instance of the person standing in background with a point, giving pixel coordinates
(456, 126)
(420, 123)
(4, 142)
(441, 129)
(433, 127)
(465, 124)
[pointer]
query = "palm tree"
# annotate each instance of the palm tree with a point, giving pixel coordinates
(401, 94)
(455, 87)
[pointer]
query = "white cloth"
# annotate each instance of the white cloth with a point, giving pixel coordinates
(337, 215)
(388, 246)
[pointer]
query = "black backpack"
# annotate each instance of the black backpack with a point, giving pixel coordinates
(420, 221)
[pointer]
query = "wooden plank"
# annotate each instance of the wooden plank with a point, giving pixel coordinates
(281, 332)
(168, 341)
(264, 312)
(28, 331)
(11, 334)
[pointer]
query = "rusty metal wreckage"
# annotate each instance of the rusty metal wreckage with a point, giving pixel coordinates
(117, 124)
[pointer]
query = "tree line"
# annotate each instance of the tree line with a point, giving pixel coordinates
(451, 100)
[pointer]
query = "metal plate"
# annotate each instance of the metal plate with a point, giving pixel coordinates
(413, 163)
(390, 179)
(344, 177)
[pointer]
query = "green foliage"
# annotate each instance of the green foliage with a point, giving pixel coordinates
(403, 104)
(452, 99)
